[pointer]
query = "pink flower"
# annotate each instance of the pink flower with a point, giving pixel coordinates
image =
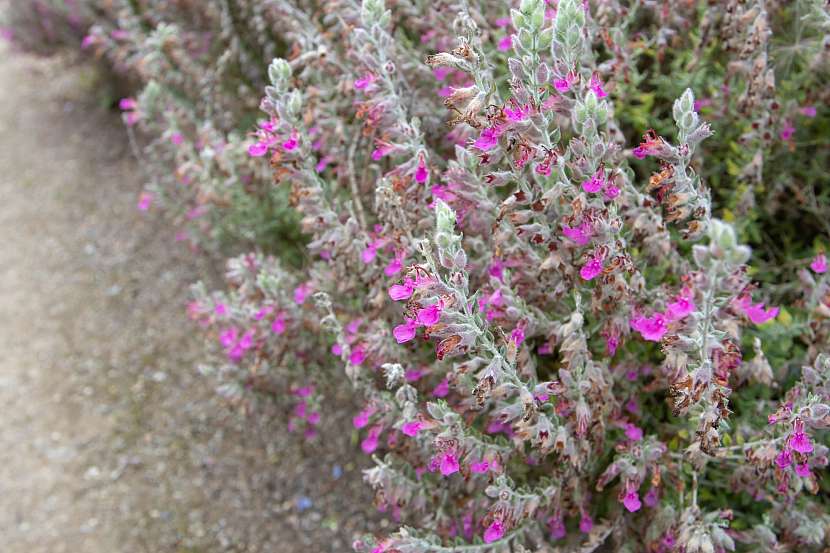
(488, 139)
(480, 467)
(611, 191)
(258, 149)
(803, 470)
(278, 326)
(421, 173)
(370, 444)
(403, 291)
(651, 498)
(494, 532)
(682, 306)
(517, 113)
(430, 315)
(412, 428)
(396, 265)
(787, 131)
(755, 312)
(784, 459)
(633, 432)
(564, 85)
(292, 142)
(586, 523)
(144, 201)
(819, 264)
(800, 442)
(449, 464)
(631, 500)
(596, 182)
(405, 332)
(581, 234)
(362, 419)
(127, 104)
(591, 269)
(301, 293)
(366, 83)
(517, 335)
(808, 111)
(596, 86)
(177, 138)
(651, 328)
(506, 43)
(442, 389)
(557, 527)
(357, 355)
(88, 41)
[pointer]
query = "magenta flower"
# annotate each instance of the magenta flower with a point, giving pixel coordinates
(819, 264)
(586, 523)
(494, 532)
(591, 269)
(808, 111)
(596, 86)
(755, 312)
(488, 139)
(362, 418)
(292, 142)
(421, 173)
(800, 442)
(396, 265)
(518, 112)
(651, 498)
(258, 149)
(631, 500)
(682, 306)
(803, 470)
(412, 428)
(405, 332)
(278, 326)
(449, 464)
(301, 293)
(650, 328)
(557, 527)
(517, 335)
(358, 355)
(442, 389)
(176, 138)
(581, 234)
(506, 43)
(430, 315)
(633, 432)
(564, 85)
(370, 443)
(144, 201)
(611, 191)
(403, 291)
(365, 83)
(784, 459)
(787, 131)
(383, 149)
(596, 182)
(127, 104)
(480, 467)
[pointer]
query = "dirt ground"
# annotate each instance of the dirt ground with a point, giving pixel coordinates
(109, 438)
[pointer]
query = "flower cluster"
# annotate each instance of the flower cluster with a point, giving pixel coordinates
(560, 335)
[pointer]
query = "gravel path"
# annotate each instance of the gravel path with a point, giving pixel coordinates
(109, 441)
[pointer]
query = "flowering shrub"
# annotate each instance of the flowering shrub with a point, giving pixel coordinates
(551, 322)
(550, 351)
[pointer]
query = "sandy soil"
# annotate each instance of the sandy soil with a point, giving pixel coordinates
(109, 439)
